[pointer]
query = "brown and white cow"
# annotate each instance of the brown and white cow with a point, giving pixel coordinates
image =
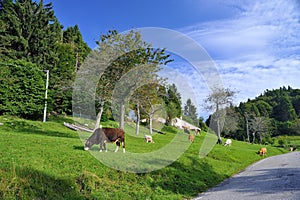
(103, 135)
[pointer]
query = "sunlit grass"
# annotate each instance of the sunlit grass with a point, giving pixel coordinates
(47, 161)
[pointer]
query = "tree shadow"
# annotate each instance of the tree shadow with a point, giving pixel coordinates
(188, 180)
(28, 183)
(27, 128)
(77, 147)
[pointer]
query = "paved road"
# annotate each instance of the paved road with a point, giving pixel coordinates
(273, 178)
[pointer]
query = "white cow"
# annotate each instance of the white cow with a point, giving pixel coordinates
(148, 138)
(228, 142)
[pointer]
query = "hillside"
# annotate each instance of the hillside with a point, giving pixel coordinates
(47, 161)
(271, 114)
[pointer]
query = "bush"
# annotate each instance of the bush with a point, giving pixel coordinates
(22, 89)
(268, 140)
(169, 129)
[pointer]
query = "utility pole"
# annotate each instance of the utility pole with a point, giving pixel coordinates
(46, 92)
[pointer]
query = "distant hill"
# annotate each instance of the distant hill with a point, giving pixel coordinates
(273, 113)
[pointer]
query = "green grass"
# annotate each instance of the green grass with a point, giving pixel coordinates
(46, 161)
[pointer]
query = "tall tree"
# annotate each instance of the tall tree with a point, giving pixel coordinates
(71, 54)
(149, 100)
(173, 103)
(231, 121)
(216, 102)
(31, 32)
(190, 111)
(133, 52)
(73, 37)
(284, 110)
(259, 125)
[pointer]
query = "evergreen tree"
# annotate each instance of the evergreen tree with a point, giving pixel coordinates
(173, 103)
(284, 110)
(30, 32)
(190, 111)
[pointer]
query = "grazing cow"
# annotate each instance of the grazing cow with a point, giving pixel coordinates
(186, 129)
(293, 148)
(262, 151)
(197, 131)
(191, 137)
(228, 142)
(148, 138)
(104, 135)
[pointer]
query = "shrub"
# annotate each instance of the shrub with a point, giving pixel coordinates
(22, 89)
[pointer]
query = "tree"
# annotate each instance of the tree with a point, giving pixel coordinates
(217, 102)
(172, 102)
(31, 32)
(190, 111)
(149, 100)
(73, 37)
(22, 89)
(259, 125)
(231, 121)
(71, 54)
(133, 53)
(284, 110)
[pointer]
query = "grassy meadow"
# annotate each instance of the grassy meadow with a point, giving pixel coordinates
(46, 161)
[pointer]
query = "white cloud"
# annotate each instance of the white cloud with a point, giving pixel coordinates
(258, 49)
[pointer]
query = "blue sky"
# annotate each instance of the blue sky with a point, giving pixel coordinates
(255, 44)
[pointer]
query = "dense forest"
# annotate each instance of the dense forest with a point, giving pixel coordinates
(31, 41)
(273, 113)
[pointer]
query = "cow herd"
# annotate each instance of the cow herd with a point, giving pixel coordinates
(101, 136)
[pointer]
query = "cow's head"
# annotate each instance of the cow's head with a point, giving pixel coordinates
(87, 145)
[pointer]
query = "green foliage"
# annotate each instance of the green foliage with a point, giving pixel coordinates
(173, 103)
(22, 89)
(190, 111)
(31, 32)
(280, 107)
(169, 129)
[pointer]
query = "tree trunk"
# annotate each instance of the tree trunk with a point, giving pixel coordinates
(138, 118)
(219, 132)
(253, 139)
(98, 118)
(150, 124)
(122, 115)
(260, 138)
(247, 130)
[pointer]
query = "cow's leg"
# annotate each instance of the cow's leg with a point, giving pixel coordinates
(117, 149)
(123, 145)
(104, 145)
(100, 147)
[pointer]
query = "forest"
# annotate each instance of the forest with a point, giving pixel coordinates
(273, 113)
(33, 41)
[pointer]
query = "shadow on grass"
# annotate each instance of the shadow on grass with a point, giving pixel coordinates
(188, 180)
(77, 147)
(27, 128)
(27, 183)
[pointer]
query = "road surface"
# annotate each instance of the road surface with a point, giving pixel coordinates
(273, 178)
